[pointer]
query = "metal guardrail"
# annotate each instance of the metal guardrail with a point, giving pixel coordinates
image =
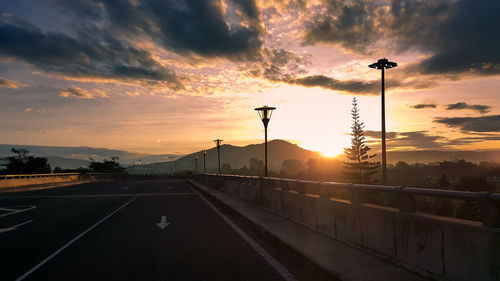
(53, 175)
(488, 202)
(452, 194)
(29, 176)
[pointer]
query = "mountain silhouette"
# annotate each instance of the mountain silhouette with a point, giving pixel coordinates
(236, 156)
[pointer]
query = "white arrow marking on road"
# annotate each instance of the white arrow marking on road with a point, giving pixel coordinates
(2, 230)
(163, 222)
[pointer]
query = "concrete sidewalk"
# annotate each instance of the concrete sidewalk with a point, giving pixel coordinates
(344, 262)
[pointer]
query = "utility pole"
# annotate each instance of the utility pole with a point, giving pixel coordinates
(196, 164)
(204, 156)
(171, 165)
(218, 142)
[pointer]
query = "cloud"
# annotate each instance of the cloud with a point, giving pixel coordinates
(358, 87)
(75, 92)
(415, 139)
(352, 25)
(278, 64)
(352, 86)
(29, 109)
(465, 37)
(456, 36)
(4, 83)
(200, 27)
(423, 105)
(423, 140)
(475, 139)
(378, 134)
(65, 55)
(463, 105)
(490, 123)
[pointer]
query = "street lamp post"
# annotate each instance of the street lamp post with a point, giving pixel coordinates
(382, 64)
(218, 142)
(204, 157)
(265, 113)
(196, 164)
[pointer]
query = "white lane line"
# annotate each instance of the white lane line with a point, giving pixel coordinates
(8, 210)
(100, 195)
(263, 253)
(22, 277)
(17, 211)
(2, 230)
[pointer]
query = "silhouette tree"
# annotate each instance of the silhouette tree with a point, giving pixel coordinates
(107, 166)
(292, 166)
(444, 183)
(361, 169)
(23, 163)
(256, 166)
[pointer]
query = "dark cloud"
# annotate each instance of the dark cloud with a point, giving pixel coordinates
(352, 86)
(249, 8)
(191, 26)
(467, 39)
(463, 105)
(278, 64)
(422, 140)
(352, 25)
(378, 134)
(423, 105)
(489, 123)
(62, 54)
(357, 87)
(459, 36)
(475, 139)
(416, 139)
(4, 83)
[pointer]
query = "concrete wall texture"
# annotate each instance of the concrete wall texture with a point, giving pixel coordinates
(437, 247)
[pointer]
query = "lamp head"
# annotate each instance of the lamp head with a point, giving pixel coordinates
(383, 63)
(218, 142)
(265, 113)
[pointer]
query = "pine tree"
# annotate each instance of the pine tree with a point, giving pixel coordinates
(361, 169)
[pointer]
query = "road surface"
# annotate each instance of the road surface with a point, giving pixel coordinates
(130, 230)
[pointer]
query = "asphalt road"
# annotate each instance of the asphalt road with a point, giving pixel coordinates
(114, 231)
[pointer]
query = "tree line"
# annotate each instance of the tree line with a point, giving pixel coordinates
(24, 163)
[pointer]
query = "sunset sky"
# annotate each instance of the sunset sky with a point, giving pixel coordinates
(160, 76)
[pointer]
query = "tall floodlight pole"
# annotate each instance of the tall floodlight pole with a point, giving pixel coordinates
(196, 164)
(382, 64)
(218, 142)
(265, 113)
(204, 157)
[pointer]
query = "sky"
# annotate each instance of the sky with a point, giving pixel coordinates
(170, 76)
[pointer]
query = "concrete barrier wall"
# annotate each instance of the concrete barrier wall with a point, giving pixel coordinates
(438, 247)
(22, 180)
